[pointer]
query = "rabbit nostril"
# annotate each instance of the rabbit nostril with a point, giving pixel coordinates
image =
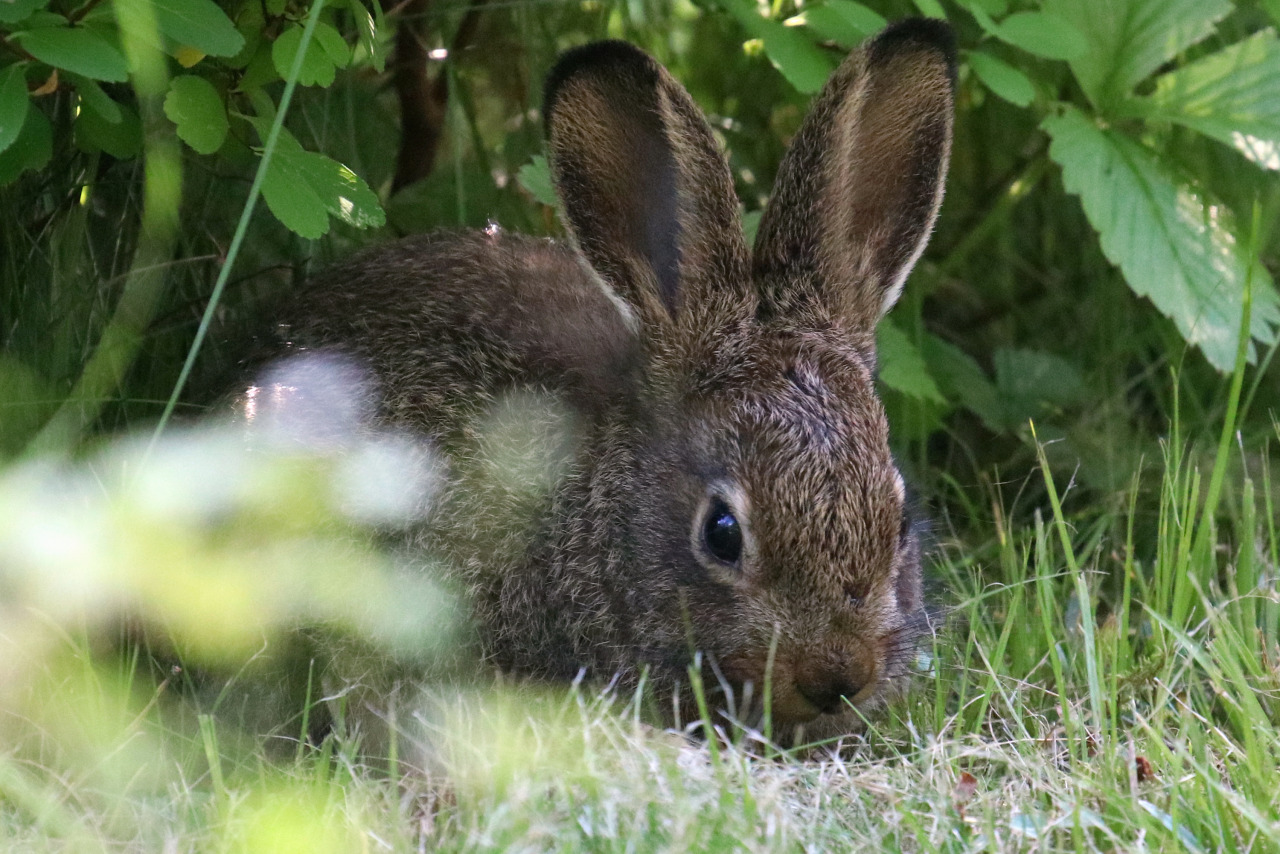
(829, 697)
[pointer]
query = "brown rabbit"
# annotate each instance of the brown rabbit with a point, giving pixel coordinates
(714, 466)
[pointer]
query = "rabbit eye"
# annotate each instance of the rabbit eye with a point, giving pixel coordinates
(721, 532)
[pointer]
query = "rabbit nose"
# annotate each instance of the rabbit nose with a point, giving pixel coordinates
(827, 694)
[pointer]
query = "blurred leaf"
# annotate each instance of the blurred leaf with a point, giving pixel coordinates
(199, 24)
(93, 97)
(902, 367)
(1129, 39)
(194, 105)
(1002, 78)
(76, 49)
(842, 21)
(1043, 34)
(1025, 379)
(122, 139)
(1232, 95)
(1173, 248)
(367, 27)
(804, 65)
(535, 177)
(12, 11)
(961, 378)
(303, 188)
(31, 150)
(318, 65)
(991, 7)
(931, 9)
(13, 103)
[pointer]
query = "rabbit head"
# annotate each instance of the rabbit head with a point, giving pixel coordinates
(764, 517)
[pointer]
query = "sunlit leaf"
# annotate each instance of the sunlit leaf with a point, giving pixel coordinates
(1043, 34)
(797, 58)
(198, 24)
(13, 104)
(1129, 39)
(1172, 246)
(1232, 95)
(368, 27)
(842, 21)
(902, 367)
(76, 49)
(194, 105)
(1002, 78)
(319, 67)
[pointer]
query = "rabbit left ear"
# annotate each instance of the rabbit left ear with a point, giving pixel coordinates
(646, 192)
(858, 192)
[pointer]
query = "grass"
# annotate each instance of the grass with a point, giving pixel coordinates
(1090, 692)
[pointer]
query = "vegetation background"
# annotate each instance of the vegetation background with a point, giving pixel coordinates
(1080, 378)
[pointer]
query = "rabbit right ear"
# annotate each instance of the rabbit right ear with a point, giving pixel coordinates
(857, 194)
(647, 194)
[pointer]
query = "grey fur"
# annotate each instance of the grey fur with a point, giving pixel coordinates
(750, 376)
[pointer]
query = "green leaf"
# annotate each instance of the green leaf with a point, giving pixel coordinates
(194, 105)
(931, 9)
(1002, 78)
(1173, 247)
(842, 21)
(961, 378)
(368, 28)
(1026, 379)
(1043, 34)
(535, 177)
(92, 97)
(12, 11)
(31, 150)
(317, 69)
(303, 188)
(14, 103)
(335, 46)
(1232, 95)
(902, 367)
(1129, 39)
(199, 24)
(122, 139)
(76, 49)
(804, 65)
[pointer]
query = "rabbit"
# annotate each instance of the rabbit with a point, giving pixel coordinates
(717, 484)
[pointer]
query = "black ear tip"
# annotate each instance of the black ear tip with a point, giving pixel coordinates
(616, 58)
(929, 33)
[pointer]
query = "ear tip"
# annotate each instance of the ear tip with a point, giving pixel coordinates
(592, 58)
(929, 33)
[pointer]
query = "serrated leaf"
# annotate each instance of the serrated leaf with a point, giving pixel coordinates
(12, 11)
(76, 49)
(535, 177)
(368, 27)
(194, 105)
(1002, 78)
(842, 21)
(303, 188)
(804, 65)
(902, 367)
(335, 46)
(1232, 95)
(199, 24)
(317, 67)
(1129, 39)
(1043, 34)
(31, 150)
(14, 103)
(1172, 247)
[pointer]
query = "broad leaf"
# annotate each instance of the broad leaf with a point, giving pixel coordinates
(368, 27)
(842, 21)
(1043, 34)
(198, 24)
(963, 380)
(31, 150)
(76, 49)
(319, 66)
(1002, 78)
(13, 104)
(535, 177)
(1129, 39)
(12, 11)
(194, 105)
(1232, 95)
(121, 139)
(902, 367)
(92, 97)
(1172, 247)
(799, 60)
(303, 188)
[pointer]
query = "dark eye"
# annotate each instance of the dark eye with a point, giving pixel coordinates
(721, 532)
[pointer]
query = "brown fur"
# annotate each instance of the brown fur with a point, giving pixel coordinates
(747, 375)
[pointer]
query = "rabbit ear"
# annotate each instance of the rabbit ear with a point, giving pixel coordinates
(857, 194)
(646, 192)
